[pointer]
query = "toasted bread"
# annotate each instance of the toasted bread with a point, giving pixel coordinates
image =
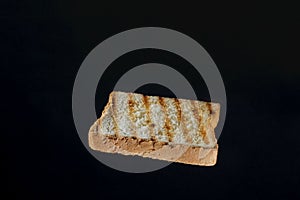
(170, 129)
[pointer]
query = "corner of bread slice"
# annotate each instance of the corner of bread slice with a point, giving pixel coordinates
(92, 134)
(200, 156)
(210, 159)
(95, 135)
(100, 142)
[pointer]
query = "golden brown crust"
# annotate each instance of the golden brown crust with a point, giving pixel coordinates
(152, 149)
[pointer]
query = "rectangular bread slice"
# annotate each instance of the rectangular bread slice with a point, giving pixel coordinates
(176, 130)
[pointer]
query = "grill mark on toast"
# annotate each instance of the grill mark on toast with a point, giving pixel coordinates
(131, 111)
(204, 135)
(195, 111)
(208, 105)
(167, 120)
(114, 115)
(130, 105)
(178, 110)
(148, 120)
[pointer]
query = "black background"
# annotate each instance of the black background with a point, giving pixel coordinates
(255, 47)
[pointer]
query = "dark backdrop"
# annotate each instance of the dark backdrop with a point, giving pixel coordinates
(255, 47)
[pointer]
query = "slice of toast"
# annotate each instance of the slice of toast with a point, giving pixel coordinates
(176, 130)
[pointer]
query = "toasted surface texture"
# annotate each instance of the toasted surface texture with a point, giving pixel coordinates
(176, 130)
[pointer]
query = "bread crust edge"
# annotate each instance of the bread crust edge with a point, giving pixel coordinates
(151, 149)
